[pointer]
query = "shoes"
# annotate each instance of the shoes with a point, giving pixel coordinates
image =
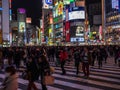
(63, 73)
(86, 77)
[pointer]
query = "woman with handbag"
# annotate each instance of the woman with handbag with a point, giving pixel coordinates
(11, 79)
(44, 68)
(32, 72)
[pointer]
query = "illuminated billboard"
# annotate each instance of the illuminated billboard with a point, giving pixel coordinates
(76, 15)
(66, 2)
(58, 9)
(28, 20)
(115, 4)
(21, 26)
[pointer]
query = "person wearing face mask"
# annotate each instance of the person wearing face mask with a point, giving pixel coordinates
(11, 79)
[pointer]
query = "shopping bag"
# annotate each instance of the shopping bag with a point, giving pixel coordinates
(52, 69)
(22, 63)
(48, 80)
(80, 67)
(5, 61)
(26, 75)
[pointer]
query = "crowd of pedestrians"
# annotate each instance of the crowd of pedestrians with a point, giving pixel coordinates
(36, 60)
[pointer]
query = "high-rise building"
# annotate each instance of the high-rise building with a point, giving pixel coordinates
(112, 8)
(21, 19)
(5, 22)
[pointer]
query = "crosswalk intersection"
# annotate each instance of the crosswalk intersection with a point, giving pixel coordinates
(106, 78)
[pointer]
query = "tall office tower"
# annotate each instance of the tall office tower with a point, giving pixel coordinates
(21, 18)
(5, 22)
(112, 8)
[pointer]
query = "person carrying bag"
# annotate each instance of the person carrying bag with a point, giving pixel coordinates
(45, 74)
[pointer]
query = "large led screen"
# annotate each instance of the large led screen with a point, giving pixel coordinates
(76, 15)
(21, 26)
(77, 31)
(115, 4)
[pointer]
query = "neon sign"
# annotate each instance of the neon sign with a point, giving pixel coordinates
(49, 1)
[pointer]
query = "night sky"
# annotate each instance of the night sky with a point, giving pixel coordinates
(33, 8)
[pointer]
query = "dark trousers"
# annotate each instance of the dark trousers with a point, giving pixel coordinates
(77, 66)
(115, 60)
(85, 67)
(93, 61)
(32, 85)
(10, 60)
(42, 82)
(99, 63)
(62, 67)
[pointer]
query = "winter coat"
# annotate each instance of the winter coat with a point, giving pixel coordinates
(33, 70)
(63, 56)
(11, 82)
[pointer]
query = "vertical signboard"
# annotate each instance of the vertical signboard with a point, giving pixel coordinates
(0, 29)
(5, 20)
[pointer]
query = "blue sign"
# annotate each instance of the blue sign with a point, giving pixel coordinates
(76, 9)
(1, 9)
(48, 1)
(119, 7)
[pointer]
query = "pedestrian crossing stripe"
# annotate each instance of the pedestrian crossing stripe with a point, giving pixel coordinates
(100, 79)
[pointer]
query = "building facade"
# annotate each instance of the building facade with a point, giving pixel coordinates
(112, 21)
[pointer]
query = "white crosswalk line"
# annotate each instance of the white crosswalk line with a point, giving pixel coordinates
(87, 81)
(92, 72)
(25, 82)
(93, 76)
(77, 86)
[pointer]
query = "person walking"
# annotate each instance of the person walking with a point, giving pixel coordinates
(33, 73)
(77, 60)
(63, 57)
(44, 69)
(86, 62)
(11, 79)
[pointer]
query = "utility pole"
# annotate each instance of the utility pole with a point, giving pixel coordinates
(103, 20)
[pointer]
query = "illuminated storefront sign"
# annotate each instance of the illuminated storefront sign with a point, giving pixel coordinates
(28, 20)
(77, 39)
(100, 32)
(57, 19)
(80, 3)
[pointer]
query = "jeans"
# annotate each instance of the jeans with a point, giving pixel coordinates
(85, 67)
(62, 67)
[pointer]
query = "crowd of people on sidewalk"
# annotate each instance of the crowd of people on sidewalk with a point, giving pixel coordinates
(36, 61)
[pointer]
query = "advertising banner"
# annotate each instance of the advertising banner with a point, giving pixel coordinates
(77, 33)
(21, 27)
